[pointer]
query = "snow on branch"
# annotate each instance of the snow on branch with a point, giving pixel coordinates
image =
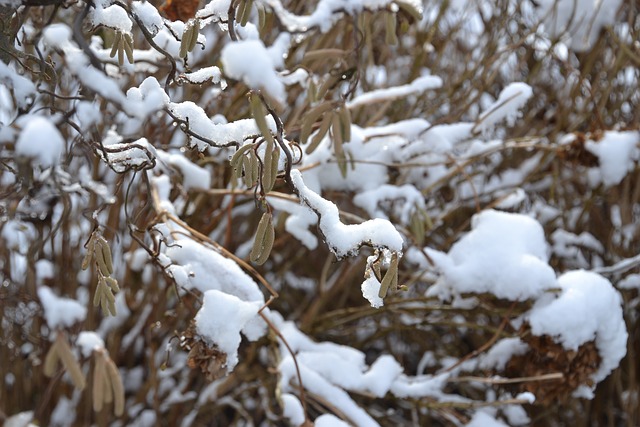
(507, 106)
(208, 133)
(327, 12)
(419, 85)
(345, 240)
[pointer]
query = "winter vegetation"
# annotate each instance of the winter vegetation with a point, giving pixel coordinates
(328, 212)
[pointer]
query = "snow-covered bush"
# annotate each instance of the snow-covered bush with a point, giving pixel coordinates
(365, 212)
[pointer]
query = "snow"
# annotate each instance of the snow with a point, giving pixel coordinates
(501, 352)
(60, 312)
(504, 254)
(292, 409)
(587, 309)
(193, 176)
(483, 419)
(580, 20)
(221, 319)
(342, 239)
(195, 266)
(419, 85)
(88, 342)
(618, 154)
(111, 16)
(249, 61)
(41, 142)
(212, 73)
(370, 289)
(327, 12)
(149, 16)
(507, 107)
(24, 91)
(407, 196)
(220, 133)
(329, 420)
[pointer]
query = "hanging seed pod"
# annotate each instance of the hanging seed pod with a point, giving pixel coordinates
(69, 362)
(310, 119)
(336, 131)
(409, 8)
(128, 47)
(118, 387)
(51, 361)
(236, 159)
(246, 167)
(258, 112)
(195, 32)
(121, 50)
(331, 81)
(275, 159)
(254, 166)
(323, 54)
(113, 284)
(390, 278)
(345, 123)
(105, 254)
(416, 226)
(187, 36)
(97, 296)
(311, 91)
(320, 134)
(262, 17)
(263, 242)
(390, 28)
(88, 256)
(244, 10)
(116, 43)
(267, 168)
(99, 380)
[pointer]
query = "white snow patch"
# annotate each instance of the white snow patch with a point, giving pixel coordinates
(221, 319)
(60, 312)
(588, 308)
(40, 141)
(504, 254)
